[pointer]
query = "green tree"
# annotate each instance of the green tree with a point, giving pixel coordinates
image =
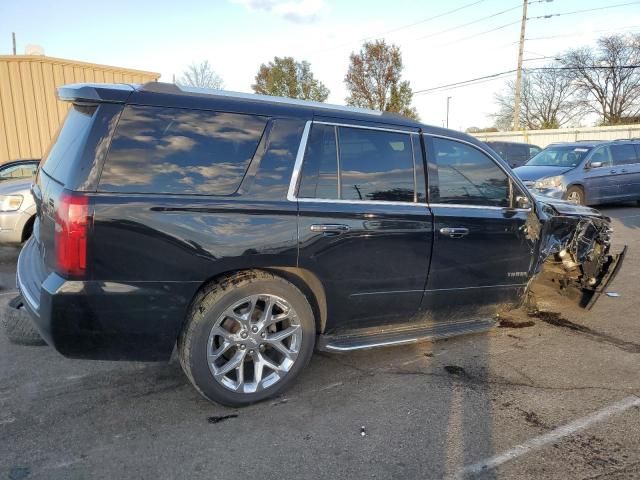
(284, 77)
(374, 80)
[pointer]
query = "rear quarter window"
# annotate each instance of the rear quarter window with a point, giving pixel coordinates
(68, 145)
(180, 151)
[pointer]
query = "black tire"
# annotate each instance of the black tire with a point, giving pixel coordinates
(577, 193)
(18, 325)
(210, 304)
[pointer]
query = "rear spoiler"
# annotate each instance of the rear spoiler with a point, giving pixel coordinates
(96, 92)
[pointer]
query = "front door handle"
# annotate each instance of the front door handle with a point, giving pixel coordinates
(457, 232)
(329, 228)
(612, 171)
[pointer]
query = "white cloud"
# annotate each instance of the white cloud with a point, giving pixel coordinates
(297, 11)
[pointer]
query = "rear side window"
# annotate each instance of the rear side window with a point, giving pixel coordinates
(467, 176)
(623, 154)
(69, 143)
(350, 163)
(320, 169)
(375, 165)
(180, 151)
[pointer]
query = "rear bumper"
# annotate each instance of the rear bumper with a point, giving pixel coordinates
(103, 320)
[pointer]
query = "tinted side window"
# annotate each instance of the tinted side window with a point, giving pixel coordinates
(179, 151)
(376, 165)
(534, 151)
(623, 154)
(69, 143)
(467, 176)
(320, 168)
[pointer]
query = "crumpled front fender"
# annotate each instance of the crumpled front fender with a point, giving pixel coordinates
(574, 252)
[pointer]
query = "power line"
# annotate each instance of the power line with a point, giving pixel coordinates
(397, 29)
(473, 81)
(581, 33)
(551, 15)
(457, 27)
(480, 34)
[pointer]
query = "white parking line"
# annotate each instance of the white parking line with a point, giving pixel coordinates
(550, 437)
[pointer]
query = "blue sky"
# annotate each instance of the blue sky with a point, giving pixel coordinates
(237, 35)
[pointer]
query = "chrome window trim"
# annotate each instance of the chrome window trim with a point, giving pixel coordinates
(297, 168)
(513, 178)
(480, 207)
(366, 127)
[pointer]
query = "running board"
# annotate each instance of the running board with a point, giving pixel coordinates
(348, 341)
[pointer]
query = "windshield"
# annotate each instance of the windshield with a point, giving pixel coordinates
(560, 156)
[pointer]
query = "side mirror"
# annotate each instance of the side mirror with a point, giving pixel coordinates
(595, 164)
(522, 202)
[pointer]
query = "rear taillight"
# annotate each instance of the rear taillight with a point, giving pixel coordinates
(72, 224)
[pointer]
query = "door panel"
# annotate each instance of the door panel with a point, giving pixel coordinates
(375, 269)
(601, 184)
(624, 161)
(481, 256)
(490, 264)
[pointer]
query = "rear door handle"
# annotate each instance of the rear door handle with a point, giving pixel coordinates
(624, 170)
(457, 232)
(612, 171)
(332, 228)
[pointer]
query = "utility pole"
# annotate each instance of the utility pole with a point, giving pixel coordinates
(13, 37)
(516, 106)
(448, 98)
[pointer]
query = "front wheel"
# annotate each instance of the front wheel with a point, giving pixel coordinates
(575, 195)
(247, 338)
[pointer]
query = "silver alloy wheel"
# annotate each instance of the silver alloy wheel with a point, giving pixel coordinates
(574, 197)
(254, 343)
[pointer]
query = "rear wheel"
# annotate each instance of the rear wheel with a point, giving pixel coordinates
(575, 195)
(247, 338)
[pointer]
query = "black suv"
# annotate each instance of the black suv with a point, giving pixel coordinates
(245, 230)
(515, 154)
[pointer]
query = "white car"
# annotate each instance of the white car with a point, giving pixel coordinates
(17, 210)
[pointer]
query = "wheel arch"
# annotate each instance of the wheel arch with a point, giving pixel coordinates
(578, 184)
(307, 282)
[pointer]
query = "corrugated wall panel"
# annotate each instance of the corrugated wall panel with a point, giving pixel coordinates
(42, 109)
(31, 116)
(30, 113)
(20, 114)
(8, 114)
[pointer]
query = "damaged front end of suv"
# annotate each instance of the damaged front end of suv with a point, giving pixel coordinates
(574, 256)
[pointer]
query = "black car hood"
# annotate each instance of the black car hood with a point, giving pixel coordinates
(528, 173)
(564, 207)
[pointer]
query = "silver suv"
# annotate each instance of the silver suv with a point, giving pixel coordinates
(588, 172)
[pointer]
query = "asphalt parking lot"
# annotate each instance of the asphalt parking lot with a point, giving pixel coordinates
(551, 396)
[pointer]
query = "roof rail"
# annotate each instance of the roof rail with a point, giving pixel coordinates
(161, 87)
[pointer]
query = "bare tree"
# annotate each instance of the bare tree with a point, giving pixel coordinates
(201, 75)
(285, 77)
(374, 80)
(608, 77)
(548, 100)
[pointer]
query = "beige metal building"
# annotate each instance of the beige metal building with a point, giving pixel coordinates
(29, 110)
(542, 138)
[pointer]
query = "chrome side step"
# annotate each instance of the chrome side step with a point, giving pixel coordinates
(385, 337)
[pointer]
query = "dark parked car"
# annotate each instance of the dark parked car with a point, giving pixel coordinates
(514, 153)
(587, 173)
(246, 230)
(18, 169)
